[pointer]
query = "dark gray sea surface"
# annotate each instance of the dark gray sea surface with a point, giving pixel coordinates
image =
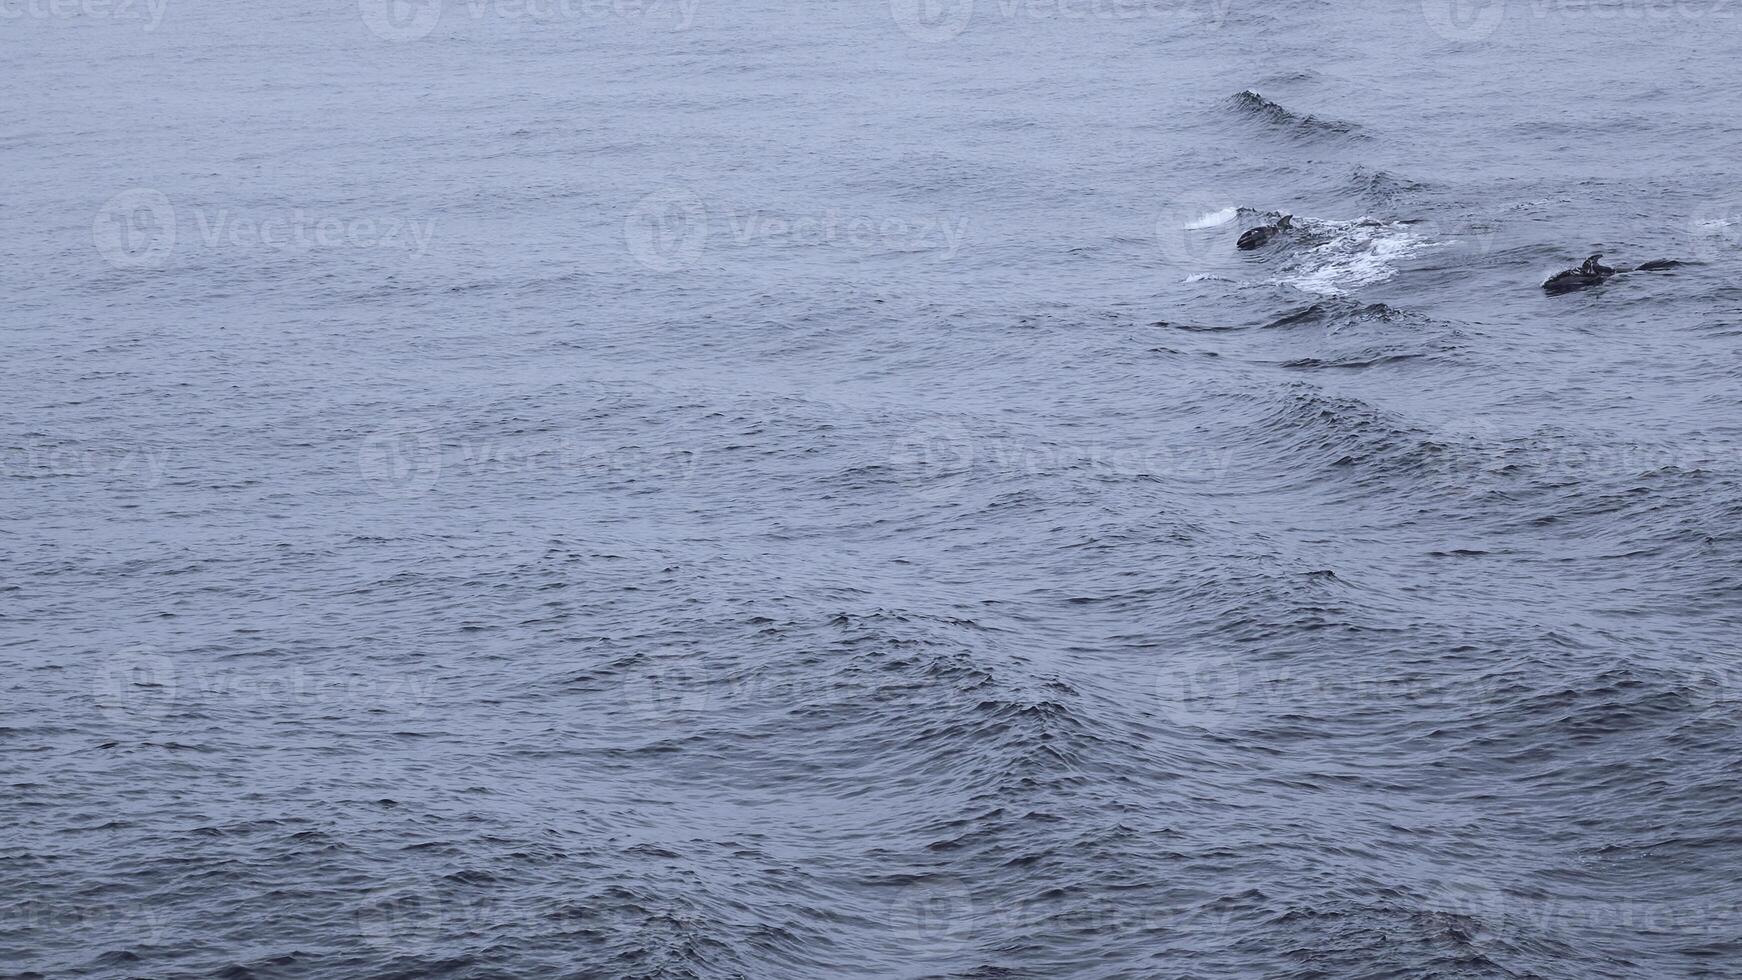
(697, 489)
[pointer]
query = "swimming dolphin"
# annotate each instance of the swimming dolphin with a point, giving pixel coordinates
(1255, 237)
(1589, 274)
(1593, 272)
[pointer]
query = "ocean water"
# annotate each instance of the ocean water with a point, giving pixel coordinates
(693, 489)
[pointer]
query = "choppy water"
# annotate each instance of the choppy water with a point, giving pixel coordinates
(778, 490)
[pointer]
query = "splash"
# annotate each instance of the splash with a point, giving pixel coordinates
(1350, 254)
(1213, 219)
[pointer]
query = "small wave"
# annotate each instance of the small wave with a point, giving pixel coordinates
(1356, 361)
(1382, 187)
(1310, 436)
(1338, 311)
(1253, 104)
(1193, 327)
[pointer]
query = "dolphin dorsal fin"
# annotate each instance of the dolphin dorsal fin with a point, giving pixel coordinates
(1591, 264)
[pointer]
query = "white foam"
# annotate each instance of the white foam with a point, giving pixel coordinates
(1213, 219)
(1356, 255)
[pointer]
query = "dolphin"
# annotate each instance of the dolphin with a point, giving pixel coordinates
(1589, 274)
(1593, 272)
(1255, 237)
